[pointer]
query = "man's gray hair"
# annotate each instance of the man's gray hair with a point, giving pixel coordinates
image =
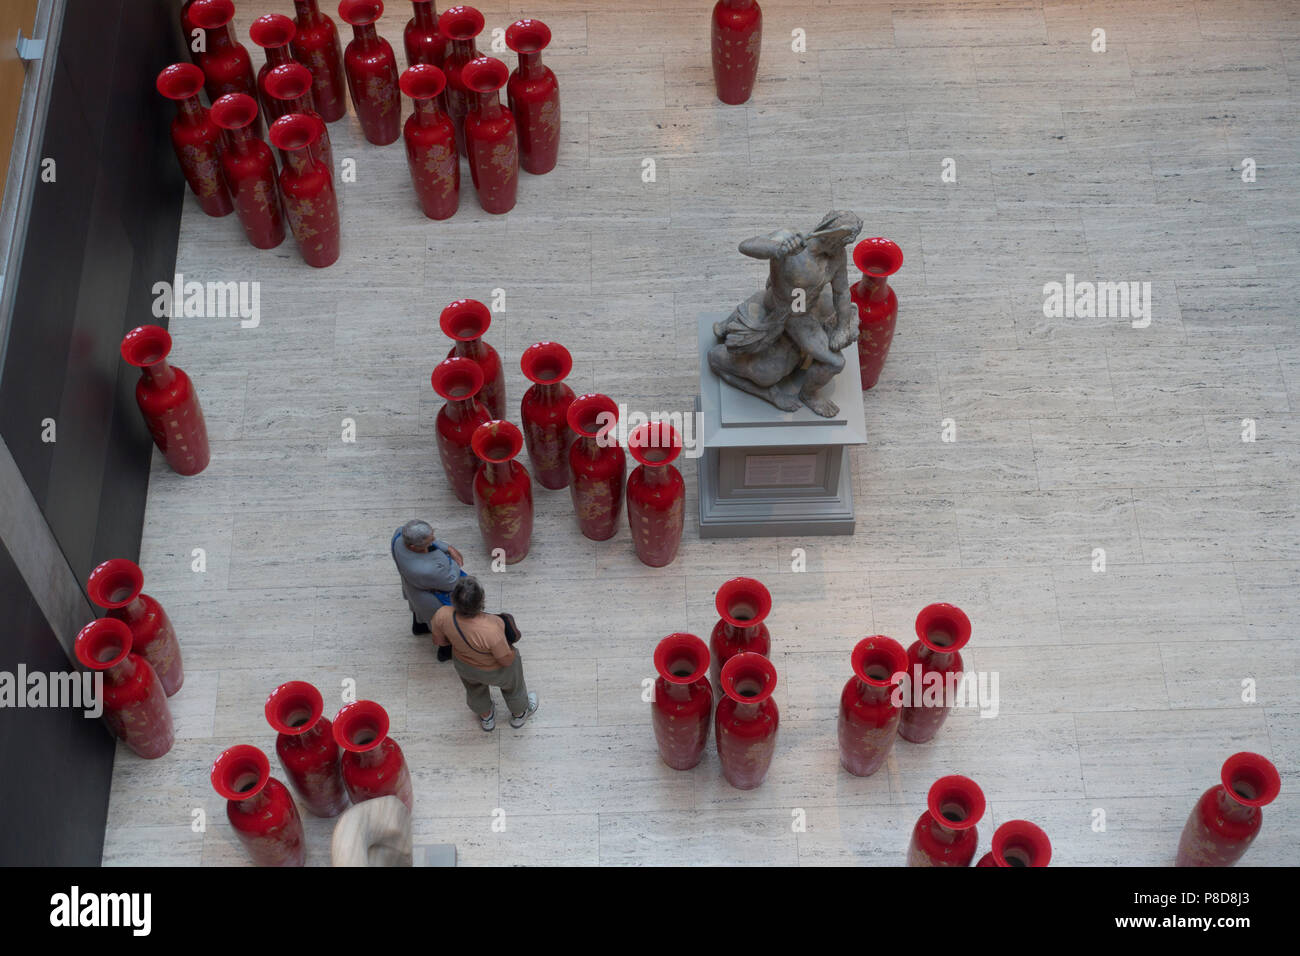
(416, 533)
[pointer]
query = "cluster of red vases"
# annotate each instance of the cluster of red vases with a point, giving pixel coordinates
(570, 440)
(747, 719)
(328, 765)
(134, 646)
(221, 150)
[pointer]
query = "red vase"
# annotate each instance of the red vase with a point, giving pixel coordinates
(431, 143)
(195, 138)
(1227, 818)
(316, 46)
(869, 708)
(288, 87)
(683, 700)
(116, 587)
(422, 39)
(544, 412)
(747, 720)
(466, 321)
(490, 138)
(259, 807)
(307, 189)
(373, 765)
(273, 33)
(460, 26)
(656, 494)
(737, 39)
(167, 400)
(743, 605)
(371, 68)
(503, 492)
(227, 67)
(877, 304)
(249, 168)
(534, 97)
(943, 631)
(1018, 843)
(306, 747)
(597, 466)
(135, 706)
(946, 835)
(459, 381)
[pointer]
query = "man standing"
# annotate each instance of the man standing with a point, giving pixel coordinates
(429, 570)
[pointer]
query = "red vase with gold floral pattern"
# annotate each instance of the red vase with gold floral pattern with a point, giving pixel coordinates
(307, 189)
(869, 712)
(167, 400)
(459, 381)
(227, 67)
(945, 835)
(305, 744)
(544, 412)
(431, 143)
(491, 141)
(196, 139)
(373, 763)
(1018, 843)
(737, 40)
(682, 707)
(249, 168)
(534, 97)
(503, 491)
(316, 46)
(259, 807)
(371, 69)
(288, 87)
(135, 706)
(422, 39)
(466, 321)
(933, 663)
(877, 304)
(273, 33)
(656, 494)
(597, 466)
(1228, 817)
(460, 26)
(743, 605)
(747, 720)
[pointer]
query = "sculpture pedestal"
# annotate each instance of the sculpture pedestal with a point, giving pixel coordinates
(769, 473)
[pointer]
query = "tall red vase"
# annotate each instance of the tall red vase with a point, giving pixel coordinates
(869, 709)
(656, 494)
(1018, 843)
(597, 466)
(945, 835)
(459, 381)
(737, 39)
(747, 720)
(249, 168)
(431, 143)
(373, 765)
(288, 87)
(1228, 817)
(196, 139)
(273, 33)
(534, 97)
(316, 46)
(544, 412)
(743, 605)
(877, 304)
(682, 706)
(491, 141)
(135, 706)
(503, 492)
(943, 631)
(227, 67)
(259, 807)
(305, 744)
(422, 39)
(460, 26)
(167, 400)
(307, 189)
(371, 69)
(116, 586)
(466, 321)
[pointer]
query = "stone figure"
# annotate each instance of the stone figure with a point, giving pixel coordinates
(783, 344)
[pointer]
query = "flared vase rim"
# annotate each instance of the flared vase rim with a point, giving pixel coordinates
(493, 430)
(1267, 780)
(733, 588)
(146, 346)
(887, 250)
(110, 575)
(957, 617)
(280, 76)
(179, 81)
(895, 660)
(345, 722)
(361, 13)
(748, 664)
(423, 81)
(293, 132)
(443, 381)
(461, 22)
(545, 351)
(280, 699)
(637, 448)
(576, 414)
(227, 764)
(212, 14)
(519, 32)
(234, 111)
(1040, 847)
(271, 31)
(488, 68)
(458, 311)
(953, 787)
(676, 643)
(95, 636)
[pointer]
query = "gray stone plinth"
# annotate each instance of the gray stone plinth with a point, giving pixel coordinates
(769, 473)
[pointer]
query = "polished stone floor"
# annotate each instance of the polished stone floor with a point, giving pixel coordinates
(1121, 690)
